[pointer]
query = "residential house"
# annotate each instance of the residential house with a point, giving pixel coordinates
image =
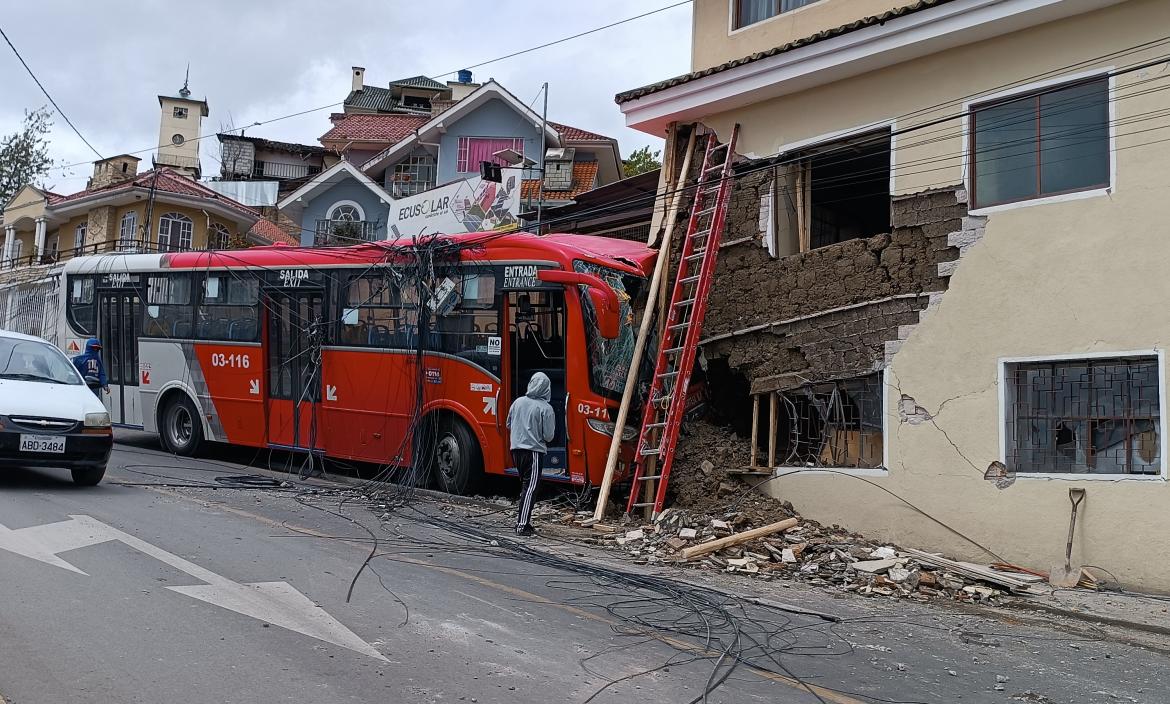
(623, 209)
(245, 158)
(942, 272)
(121, 209)
(392, 155)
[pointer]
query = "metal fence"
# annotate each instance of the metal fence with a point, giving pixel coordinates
(31, 308)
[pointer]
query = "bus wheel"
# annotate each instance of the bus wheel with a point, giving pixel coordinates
(455, 459)
(180, 429)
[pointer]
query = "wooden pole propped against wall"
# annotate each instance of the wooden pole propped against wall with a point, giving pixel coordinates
(660, 267)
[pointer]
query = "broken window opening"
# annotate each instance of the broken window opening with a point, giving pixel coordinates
(1100, 416)
(830, 424)
(828, 194)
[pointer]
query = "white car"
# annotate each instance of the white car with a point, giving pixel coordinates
(48, 416)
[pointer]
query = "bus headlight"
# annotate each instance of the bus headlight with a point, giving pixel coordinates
(97, 420)
(607, 428)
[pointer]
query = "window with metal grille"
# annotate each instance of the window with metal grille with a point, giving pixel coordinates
(1092, 416)
(414, 175)
(1046, 143)
(174, 233)
(752, 11)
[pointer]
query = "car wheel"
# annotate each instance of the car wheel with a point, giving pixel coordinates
(454, 457)
(88, 476)
(181, 430)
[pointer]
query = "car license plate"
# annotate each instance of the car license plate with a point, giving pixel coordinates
(42, 443)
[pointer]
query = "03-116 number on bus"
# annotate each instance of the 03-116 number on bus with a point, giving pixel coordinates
(235, 361)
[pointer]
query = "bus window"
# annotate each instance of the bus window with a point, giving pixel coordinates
(228, 309)
(377, 312)
(471, 330)
(168, 306)
(82, 305)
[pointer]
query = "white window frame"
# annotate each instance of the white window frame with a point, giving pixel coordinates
(341, 203)
(79, 234)
(185, 232)
(217, 232)
(731, 12)
(1033, 87)
(127, 235)
(1087, 477)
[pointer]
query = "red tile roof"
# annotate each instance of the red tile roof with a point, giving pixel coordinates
(162, 179)
(584, 179)
(271, 232)
(373, 128)
(576, 134)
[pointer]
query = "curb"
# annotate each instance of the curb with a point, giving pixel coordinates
(1087, 617)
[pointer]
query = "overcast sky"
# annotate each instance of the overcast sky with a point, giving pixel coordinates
(258, 59)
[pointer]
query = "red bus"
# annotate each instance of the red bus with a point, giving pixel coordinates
(341, 351)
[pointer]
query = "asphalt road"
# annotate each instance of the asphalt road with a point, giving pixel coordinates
(163, 585)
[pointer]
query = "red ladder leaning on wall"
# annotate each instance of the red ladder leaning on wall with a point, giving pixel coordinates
(666, 404)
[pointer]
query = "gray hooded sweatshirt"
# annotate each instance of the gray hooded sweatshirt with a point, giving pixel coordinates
(531, 416)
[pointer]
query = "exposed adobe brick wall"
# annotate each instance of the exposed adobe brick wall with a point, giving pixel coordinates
(879, 283)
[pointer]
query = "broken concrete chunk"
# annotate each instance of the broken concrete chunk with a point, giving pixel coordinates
(707, 466)
(897, 575)
(883, 553)
(635, 534)
(720, 525)
(787, 556)
(676, 543)
(687, 533)
(876, 566)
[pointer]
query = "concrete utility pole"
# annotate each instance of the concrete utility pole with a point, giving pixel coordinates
(543, 149)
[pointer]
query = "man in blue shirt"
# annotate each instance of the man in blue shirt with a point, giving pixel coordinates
(89, 363)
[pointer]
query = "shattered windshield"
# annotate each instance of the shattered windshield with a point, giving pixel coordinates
(609, 360)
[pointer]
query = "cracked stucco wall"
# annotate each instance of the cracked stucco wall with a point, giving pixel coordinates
(1076, 276)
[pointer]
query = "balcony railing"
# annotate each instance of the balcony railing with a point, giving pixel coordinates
(345, 232)
(114, 246)
(278, 170)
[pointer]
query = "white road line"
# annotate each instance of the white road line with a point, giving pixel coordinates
(278, 603)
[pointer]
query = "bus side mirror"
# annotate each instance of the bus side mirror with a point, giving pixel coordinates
(605, 301)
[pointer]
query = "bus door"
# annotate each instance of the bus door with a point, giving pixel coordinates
(119, 322)
(536, 340)
(294, 333)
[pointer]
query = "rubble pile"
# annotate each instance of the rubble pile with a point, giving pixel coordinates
(811, 553)
(708, 503)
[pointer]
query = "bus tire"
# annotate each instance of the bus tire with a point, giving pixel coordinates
(454, 457)
(180, 427)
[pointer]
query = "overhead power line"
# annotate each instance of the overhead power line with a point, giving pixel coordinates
(46, 92)
(436, 76)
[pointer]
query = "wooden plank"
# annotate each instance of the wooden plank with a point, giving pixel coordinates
(773, 408)
(731, 540)
(755, 431)
(615, 444)
(803, 226)
(972, 570)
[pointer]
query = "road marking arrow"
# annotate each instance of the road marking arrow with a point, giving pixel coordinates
(254, 387)
(489, 405)
(330, 393)
(278, 603)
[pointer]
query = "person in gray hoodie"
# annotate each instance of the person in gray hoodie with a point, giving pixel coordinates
(532, 425)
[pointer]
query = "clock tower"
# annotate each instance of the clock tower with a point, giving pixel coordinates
(178, 135)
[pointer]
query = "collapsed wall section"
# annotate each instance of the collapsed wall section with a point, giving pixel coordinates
(831, 312)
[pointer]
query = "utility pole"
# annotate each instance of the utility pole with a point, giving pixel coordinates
(543, 149)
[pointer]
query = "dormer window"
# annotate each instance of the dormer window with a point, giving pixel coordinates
(749, 12)
(180, 113)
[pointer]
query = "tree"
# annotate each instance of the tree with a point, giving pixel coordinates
(24, 155)
(641, 161)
